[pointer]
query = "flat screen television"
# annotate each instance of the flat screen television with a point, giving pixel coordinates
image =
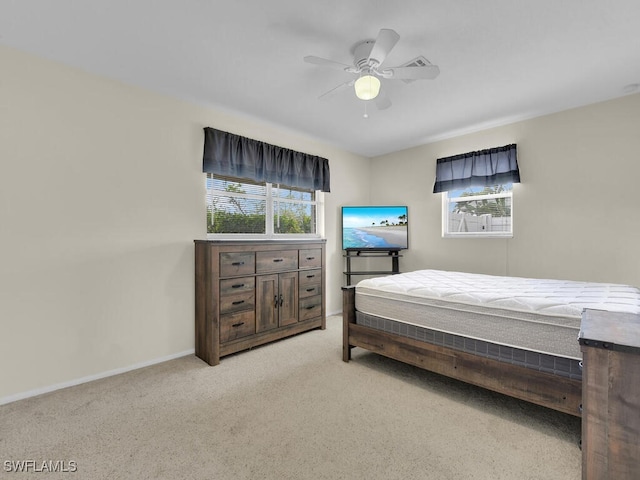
(375, 227)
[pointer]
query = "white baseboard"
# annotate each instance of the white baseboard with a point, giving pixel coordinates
(110, 373)
(90, 378)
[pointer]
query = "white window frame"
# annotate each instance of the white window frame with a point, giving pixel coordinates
(271, 199)
(447, 201)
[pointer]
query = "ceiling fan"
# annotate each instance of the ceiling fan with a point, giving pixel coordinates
(368, 60)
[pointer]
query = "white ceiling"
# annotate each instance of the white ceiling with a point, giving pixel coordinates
(500, 60)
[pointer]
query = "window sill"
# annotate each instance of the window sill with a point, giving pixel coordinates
(477, 235)
(261, 237)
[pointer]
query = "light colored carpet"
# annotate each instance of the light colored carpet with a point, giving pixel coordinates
(289, 410)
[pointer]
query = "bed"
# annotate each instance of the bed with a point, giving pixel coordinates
(517, 336)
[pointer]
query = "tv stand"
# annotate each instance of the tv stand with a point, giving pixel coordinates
(394, 255)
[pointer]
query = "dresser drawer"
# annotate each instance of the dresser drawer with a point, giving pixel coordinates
(309, 277)
(310, 258)
(310, 290)
(237, 302)
(233, 286)
(310, 307)
(276, 261)
(237, 325)
(237, 263)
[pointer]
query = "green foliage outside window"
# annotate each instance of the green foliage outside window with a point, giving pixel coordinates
(289, 221)
(239, 208)
(228, 222)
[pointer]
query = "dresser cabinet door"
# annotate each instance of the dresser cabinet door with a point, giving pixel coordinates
(267, 301)
(288, 298)
(277, 300)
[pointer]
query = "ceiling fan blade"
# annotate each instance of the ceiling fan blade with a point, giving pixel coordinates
(428, 72)
(386, 40)
(382, 101)
(327, 63)
(340, 88)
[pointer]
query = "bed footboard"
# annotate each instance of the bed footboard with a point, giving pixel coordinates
(552, 391)
(348, 318)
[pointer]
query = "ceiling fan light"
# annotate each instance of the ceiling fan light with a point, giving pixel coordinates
(367, 87)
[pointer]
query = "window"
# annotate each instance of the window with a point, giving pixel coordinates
(478, 212)
(237, 206)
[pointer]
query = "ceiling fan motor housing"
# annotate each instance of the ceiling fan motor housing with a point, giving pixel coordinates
(361, 55)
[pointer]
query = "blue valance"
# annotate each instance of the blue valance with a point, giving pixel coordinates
(231, 155)
(489, 167)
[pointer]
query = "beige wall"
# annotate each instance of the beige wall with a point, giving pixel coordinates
(575, 212)
(101, 197)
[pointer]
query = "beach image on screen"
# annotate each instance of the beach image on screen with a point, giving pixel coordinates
(374, 228)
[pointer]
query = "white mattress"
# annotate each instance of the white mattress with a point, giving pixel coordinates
(531, 314)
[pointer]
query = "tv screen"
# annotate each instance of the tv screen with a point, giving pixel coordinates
(375, 228)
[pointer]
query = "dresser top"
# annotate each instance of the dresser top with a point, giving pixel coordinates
(264, 242)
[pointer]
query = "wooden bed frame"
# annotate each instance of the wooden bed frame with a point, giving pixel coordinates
(552, 391)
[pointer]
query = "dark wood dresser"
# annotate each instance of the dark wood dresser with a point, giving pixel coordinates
(249, 293)
(610, 344)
